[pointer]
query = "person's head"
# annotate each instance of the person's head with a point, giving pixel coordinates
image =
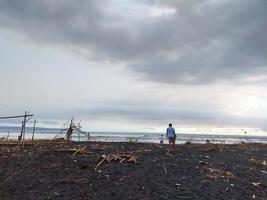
(170, 125)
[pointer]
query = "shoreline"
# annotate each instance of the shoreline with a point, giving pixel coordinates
(145, 137)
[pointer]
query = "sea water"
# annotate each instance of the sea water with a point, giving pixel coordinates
(138, 137)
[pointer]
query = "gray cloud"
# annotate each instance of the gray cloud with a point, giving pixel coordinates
(203, 41)
(158, 113)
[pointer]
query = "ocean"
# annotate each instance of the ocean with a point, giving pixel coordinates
(142, 137)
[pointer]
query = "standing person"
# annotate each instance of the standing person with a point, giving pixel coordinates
(171, 136)
(161, 139)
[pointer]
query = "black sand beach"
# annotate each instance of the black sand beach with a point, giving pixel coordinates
(194, 171)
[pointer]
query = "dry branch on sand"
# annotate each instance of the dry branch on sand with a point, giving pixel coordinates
(119, 157)
(81, 150)
(255, 162)
(8, 151)
(214, 174)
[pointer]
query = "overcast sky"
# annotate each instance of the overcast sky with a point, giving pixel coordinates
(135, 65)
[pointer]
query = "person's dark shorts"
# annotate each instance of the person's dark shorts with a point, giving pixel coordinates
(172, 140)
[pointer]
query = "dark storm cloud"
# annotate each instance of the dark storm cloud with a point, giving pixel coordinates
(203, 41)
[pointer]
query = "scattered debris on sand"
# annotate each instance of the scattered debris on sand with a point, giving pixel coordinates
(93, 170)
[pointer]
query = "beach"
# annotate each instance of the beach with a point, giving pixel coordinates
(126, 170)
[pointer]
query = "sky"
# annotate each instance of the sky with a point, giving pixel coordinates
(135, 65)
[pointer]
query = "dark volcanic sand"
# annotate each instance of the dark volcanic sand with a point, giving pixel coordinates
(192, 172)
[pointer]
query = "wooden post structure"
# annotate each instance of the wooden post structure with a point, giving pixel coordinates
(23, 124)
(88, 136)
(79, 136)
(33, 131)
(7, 135)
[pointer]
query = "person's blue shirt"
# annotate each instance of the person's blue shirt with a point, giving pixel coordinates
(170, 132)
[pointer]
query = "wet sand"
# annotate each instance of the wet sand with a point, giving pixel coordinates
(43, 170)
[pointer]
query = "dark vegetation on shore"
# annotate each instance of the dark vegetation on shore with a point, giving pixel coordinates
(45, 170)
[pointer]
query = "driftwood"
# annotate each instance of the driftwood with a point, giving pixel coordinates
(120, 157)
(165, 169)
(100, 163)
(81, 150)
(214, 174)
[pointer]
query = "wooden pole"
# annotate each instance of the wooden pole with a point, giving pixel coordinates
(7, 135)
(24, 125)
(17, 116)
(33, 131)
(79, 136)
(88, 136)
(21, 132)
